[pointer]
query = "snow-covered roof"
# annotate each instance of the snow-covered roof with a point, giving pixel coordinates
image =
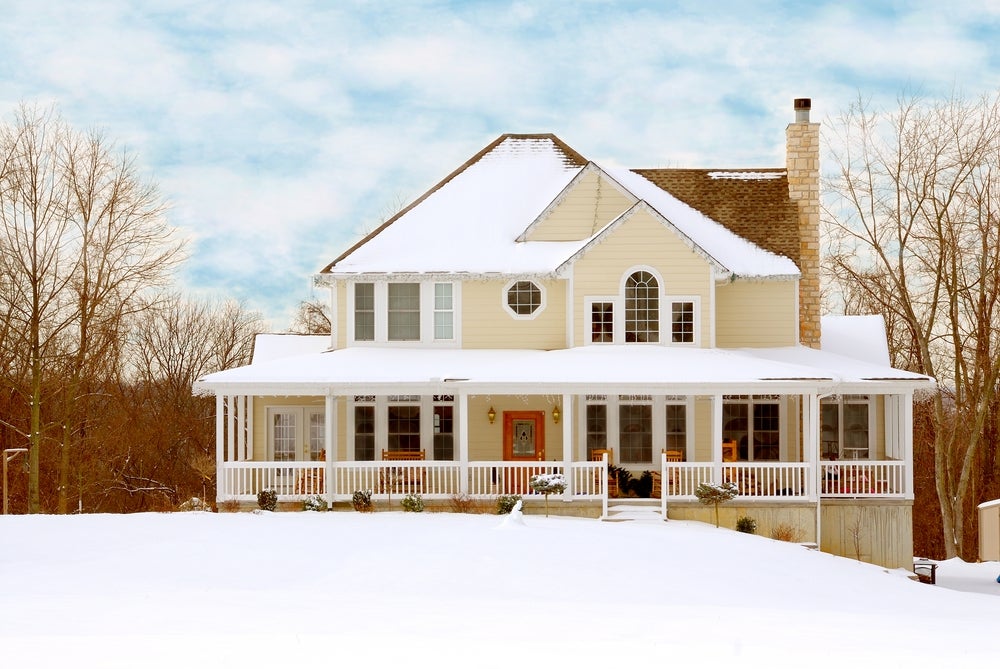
(739, 256)
(861, 337)
(610, 369)
(274, 346)
(471, 222)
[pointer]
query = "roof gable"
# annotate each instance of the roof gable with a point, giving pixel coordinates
(470, 208)
(752, 203)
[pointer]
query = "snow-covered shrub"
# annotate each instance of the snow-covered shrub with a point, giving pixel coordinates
(746, 524)
(548, 484)
(267, 500)
(314, 503)
(362, 501)
(195, 504)
(413, 503)
(710, 493)
(506, 503)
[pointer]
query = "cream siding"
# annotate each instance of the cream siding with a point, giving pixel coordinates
(486, 322)
(486, 440)
(642, 241)
(590, 204)
(756, 314)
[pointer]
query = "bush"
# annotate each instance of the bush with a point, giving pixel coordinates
(195, 504)
(267, 500)
(746, 524)
(413, 503)
(362, 501)
(229, 506)
(314, 503)
(786, 532)
(505, 504)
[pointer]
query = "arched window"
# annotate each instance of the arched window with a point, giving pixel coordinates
(642, 308)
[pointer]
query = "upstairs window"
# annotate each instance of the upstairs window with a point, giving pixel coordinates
(642, 308)
(404, 312)
(364, 312)
(602, 322)
(682, 322)
(523, 298)
(444, 312)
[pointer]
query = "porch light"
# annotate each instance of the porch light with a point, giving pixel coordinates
(556, 415)
(492, 415)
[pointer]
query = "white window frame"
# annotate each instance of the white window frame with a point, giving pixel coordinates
(840, 401)
(588, 306)
(524, 317)
(670, 301)
(427, 311)
(303, 438)
(612, 404)
(381, 413)
(750, 401)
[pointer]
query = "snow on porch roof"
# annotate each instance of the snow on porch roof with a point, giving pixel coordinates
(591, 369)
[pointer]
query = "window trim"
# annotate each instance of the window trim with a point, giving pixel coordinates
(841, 401)
(426, 318)
(381, 404)
(542, 300)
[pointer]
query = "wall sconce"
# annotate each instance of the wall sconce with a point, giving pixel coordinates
(492, 415)
(556, 415)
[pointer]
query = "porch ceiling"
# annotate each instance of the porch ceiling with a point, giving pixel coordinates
(586, 369)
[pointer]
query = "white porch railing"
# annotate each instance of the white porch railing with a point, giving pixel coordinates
(588, 480)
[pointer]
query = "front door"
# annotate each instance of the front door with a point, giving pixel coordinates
(524, 435)
(524, 441)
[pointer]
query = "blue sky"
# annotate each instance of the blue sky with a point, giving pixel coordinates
(280, 130)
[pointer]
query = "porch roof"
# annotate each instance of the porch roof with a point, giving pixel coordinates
(587, 369)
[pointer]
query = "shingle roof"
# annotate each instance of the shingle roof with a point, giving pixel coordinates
(753, 203)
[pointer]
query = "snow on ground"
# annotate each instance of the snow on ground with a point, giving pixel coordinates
(450, 590)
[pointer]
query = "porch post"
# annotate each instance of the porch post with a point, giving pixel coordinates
(908, 445)
(717, 438)
(241, 424)
(463, 443)
(330, 446)
(811, 451)
(567, 437)
(231, 420)
(220, 440)
(249, 427)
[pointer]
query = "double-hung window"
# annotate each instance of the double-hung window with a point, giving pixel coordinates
(395, 311)
(754, 423)
(845, 430)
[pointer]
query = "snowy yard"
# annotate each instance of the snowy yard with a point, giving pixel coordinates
(448, 590)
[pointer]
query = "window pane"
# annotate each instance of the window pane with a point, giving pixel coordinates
(283, 437)
(364, 312)
(404, 428)
(735, 426)
(444, 437)
(856, 431)
(442, 296)
(642, 308)
(404, 311)
(682, 322)
(766, 430)
(317, 435)
(602, 322)
(597, 428)
(364, 433)
(829, 436)
(524, 298)
(676, 428)
(636, 433)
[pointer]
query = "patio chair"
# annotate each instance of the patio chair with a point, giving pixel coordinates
(597, 455)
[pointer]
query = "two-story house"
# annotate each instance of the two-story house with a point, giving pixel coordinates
(536, 311)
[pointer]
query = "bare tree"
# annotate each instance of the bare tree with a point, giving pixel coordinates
(912, 226)
(82, 237)
(312, 317)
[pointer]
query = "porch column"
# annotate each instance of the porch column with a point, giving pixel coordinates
(810, 452)
(220, 440)
(716, 433)
(231, 424)
(249, 427)
(463, 443)
(907, 402)
(567, 437)
(330, 446)
(241, 425)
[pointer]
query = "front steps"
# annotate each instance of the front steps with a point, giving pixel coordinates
(633, 509)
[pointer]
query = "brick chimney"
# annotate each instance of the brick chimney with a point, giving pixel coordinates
(802, 165)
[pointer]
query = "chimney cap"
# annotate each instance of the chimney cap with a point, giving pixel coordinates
(802, 107)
